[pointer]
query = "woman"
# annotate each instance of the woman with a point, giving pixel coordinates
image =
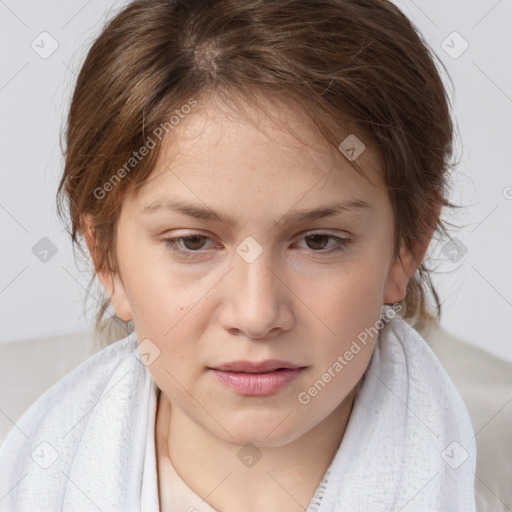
(257, 183)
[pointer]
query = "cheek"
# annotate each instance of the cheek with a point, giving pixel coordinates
(158, 295)
(356, 293)
(351, 309)
(164, 305)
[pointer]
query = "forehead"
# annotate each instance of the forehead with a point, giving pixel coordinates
(271, 151)
(278, 125)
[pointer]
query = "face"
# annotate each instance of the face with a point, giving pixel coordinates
(253, 277)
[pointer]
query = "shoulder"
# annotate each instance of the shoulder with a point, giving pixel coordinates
(86, 375)
(484, 382)
(62, 412)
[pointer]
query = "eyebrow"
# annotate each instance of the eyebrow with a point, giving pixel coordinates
(204, 213)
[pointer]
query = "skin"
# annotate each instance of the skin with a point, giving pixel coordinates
(296, 301)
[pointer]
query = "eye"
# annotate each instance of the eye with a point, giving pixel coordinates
(194, 244)
(317, 241)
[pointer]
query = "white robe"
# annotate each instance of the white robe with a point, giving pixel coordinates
(88, 442)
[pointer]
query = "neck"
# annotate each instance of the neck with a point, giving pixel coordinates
(225, 474)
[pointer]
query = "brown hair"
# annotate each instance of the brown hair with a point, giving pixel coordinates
(358, 65)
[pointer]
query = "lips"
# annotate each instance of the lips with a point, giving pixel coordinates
(269, 365)
(257, 384)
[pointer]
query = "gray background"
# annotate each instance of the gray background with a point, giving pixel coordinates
(40, 299)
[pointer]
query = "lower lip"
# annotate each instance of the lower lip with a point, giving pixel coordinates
(257, 384)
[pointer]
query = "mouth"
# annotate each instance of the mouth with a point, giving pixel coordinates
(257, 367)
(257, 383)
(257, 373)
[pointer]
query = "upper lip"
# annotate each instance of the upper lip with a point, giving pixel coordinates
(255, 367)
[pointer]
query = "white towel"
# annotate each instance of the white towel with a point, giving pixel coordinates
(83, 445)
(87, 444)
(409, 444)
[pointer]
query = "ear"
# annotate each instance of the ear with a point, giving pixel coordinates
(403, 268)
(111, 282)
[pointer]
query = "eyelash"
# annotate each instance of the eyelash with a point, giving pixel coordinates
(172, 244)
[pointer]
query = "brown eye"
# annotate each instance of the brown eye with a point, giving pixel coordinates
(187, 246)
(194, 243)
(318, 241)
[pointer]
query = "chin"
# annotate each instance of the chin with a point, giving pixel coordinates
(264, 434)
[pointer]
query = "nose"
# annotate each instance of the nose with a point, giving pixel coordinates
(257, 300)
